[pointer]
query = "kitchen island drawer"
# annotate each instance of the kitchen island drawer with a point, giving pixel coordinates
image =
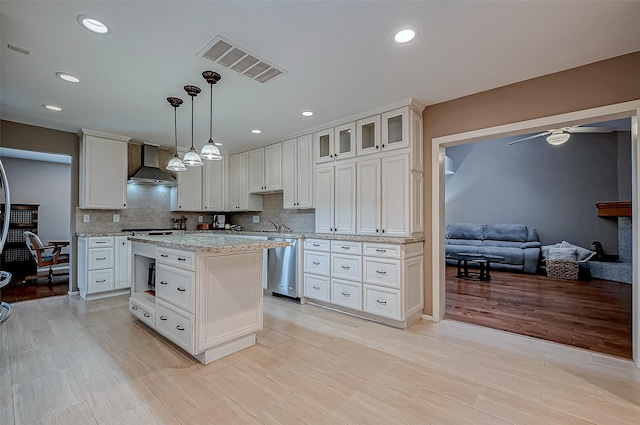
(176, 286)
(317, 245)
(100, 258)
(100, 280)
(100, 242)
(177, 258)
(381, 250)
(176, 325)
(383, 272)
(142, 312)
(382, 302)
(343, 247)
(346, 267)
(316, 287)
(347, 294)
(317, 263)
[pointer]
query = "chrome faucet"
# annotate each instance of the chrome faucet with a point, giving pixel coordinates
(275, 224)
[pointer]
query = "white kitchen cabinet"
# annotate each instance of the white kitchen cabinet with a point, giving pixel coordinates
(323, 146)
(297, 172)
(368, 197)
(122, 262)
(100, 262)
(214, 184)
(368, 135)
(103, 170)
(395, 129)
(239, 197)
(336, 199)
(187, 195)
(265, 165)
(396, 203)
(335, 143)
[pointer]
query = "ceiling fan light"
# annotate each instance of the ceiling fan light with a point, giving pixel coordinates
(192, 158)
(176, 164)
(558, 138)
(210, 152)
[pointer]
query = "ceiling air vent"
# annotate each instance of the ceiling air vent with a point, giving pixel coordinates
(230, 55)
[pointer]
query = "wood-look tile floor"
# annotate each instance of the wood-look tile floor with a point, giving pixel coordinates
(595, 315)
(66, 361)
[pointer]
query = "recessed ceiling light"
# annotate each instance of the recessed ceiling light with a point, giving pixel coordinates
(93, 24)
(68, 77)
(404, 35)
(256, 131)
(307, 113)
(53, 108)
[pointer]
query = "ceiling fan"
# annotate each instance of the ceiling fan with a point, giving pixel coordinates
(558, 136)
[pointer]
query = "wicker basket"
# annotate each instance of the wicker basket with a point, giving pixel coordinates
(563, 269)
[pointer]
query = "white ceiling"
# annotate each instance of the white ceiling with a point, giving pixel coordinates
(339, 57)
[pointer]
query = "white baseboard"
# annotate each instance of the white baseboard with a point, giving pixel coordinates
(73, 293)
(427, 317)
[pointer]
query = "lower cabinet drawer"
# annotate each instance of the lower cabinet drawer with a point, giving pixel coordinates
(382, 302)
(317, 263)
(100, 258)
(316, 287)
(176, 286)
(347, 294)
(174, 325)
(182, 259)
(346, 266)
(100, 281)
(380, 271)
(142, 313)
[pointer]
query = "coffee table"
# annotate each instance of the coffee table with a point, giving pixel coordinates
(483, 261)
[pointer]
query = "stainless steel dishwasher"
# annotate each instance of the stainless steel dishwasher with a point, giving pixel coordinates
(282, 268)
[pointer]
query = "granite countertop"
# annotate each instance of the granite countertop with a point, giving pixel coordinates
(310, 235)
(199, 241)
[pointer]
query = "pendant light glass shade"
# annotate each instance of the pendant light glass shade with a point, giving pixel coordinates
(558, 138)
(210, 151)
(192, 158)
(175, 164)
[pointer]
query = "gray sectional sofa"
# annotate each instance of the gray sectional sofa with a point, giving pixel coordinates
(517, 243)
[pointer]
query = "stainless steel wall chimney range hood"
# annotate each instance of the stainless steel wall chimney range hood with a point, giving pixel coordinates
(149, 173)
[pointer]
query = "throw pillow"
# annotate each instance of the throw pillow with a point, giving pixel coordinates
(566, 254)
(545, 249)
(583, 253)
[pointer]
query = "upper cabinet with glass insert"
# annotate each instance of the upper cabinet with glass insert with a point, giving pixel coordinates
(335, 143)
(368, 135)
(395, 129)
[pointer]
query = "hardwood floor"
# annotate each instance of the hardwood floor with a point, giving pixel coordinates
(17, 291)
(595, 315)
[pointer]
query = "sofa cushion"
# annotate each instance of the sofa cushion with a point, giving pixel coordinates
(459, 249)
(532, 234)
(583, 254)
(468, 242)
(566, 254)
(506, 232)
(508, 244)
(511, 255)
(465, 231)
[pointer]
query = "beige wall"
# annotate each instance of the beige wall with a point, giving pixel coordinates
(602, 83)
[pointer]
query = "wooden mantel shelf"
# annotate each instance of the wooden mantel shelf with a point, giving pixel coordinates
(614, 209)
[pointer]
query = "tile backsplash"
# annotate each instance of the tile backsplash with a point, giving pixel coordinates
(300, 221)
(148, 206)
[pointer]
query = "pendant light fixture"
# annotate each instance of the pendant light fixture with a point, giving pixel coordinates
(175, 164)
(210, 151)
(192, 158)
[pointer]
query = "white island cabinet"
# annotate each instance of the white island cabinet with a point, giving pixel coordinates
(207, 297)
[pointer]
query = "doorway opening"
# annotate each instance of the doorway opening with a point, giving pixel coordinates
(611, 112)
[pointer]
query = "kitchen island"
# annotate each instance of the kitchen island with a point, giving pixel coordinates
(201, 291)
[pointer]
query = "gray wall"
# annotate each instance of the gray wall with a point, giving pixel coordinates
(47, 184)
(551, 188)
(624, 165)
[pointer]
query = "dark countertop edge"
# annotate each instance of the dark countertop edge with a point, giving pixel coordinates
(324, 236)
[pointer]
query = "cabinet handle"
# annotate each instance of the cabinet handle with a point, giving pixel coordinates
(163, 318)
(382, 230)
(100, 281)
(316, 263)
(181, 289)
(316, 244)
(376, 230)
(336, 155)
(346, 294)
(182, 259)
(379, 272)
(162, 282)
(377, 147)
(383, 146)
(346, 247)
(381, 250)
(101, 258)
(146, 315)
(346, 267)
(317, 288)
(180, 328)
(381, 302)
(164, 255)
(134, 307)
(101, 242)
